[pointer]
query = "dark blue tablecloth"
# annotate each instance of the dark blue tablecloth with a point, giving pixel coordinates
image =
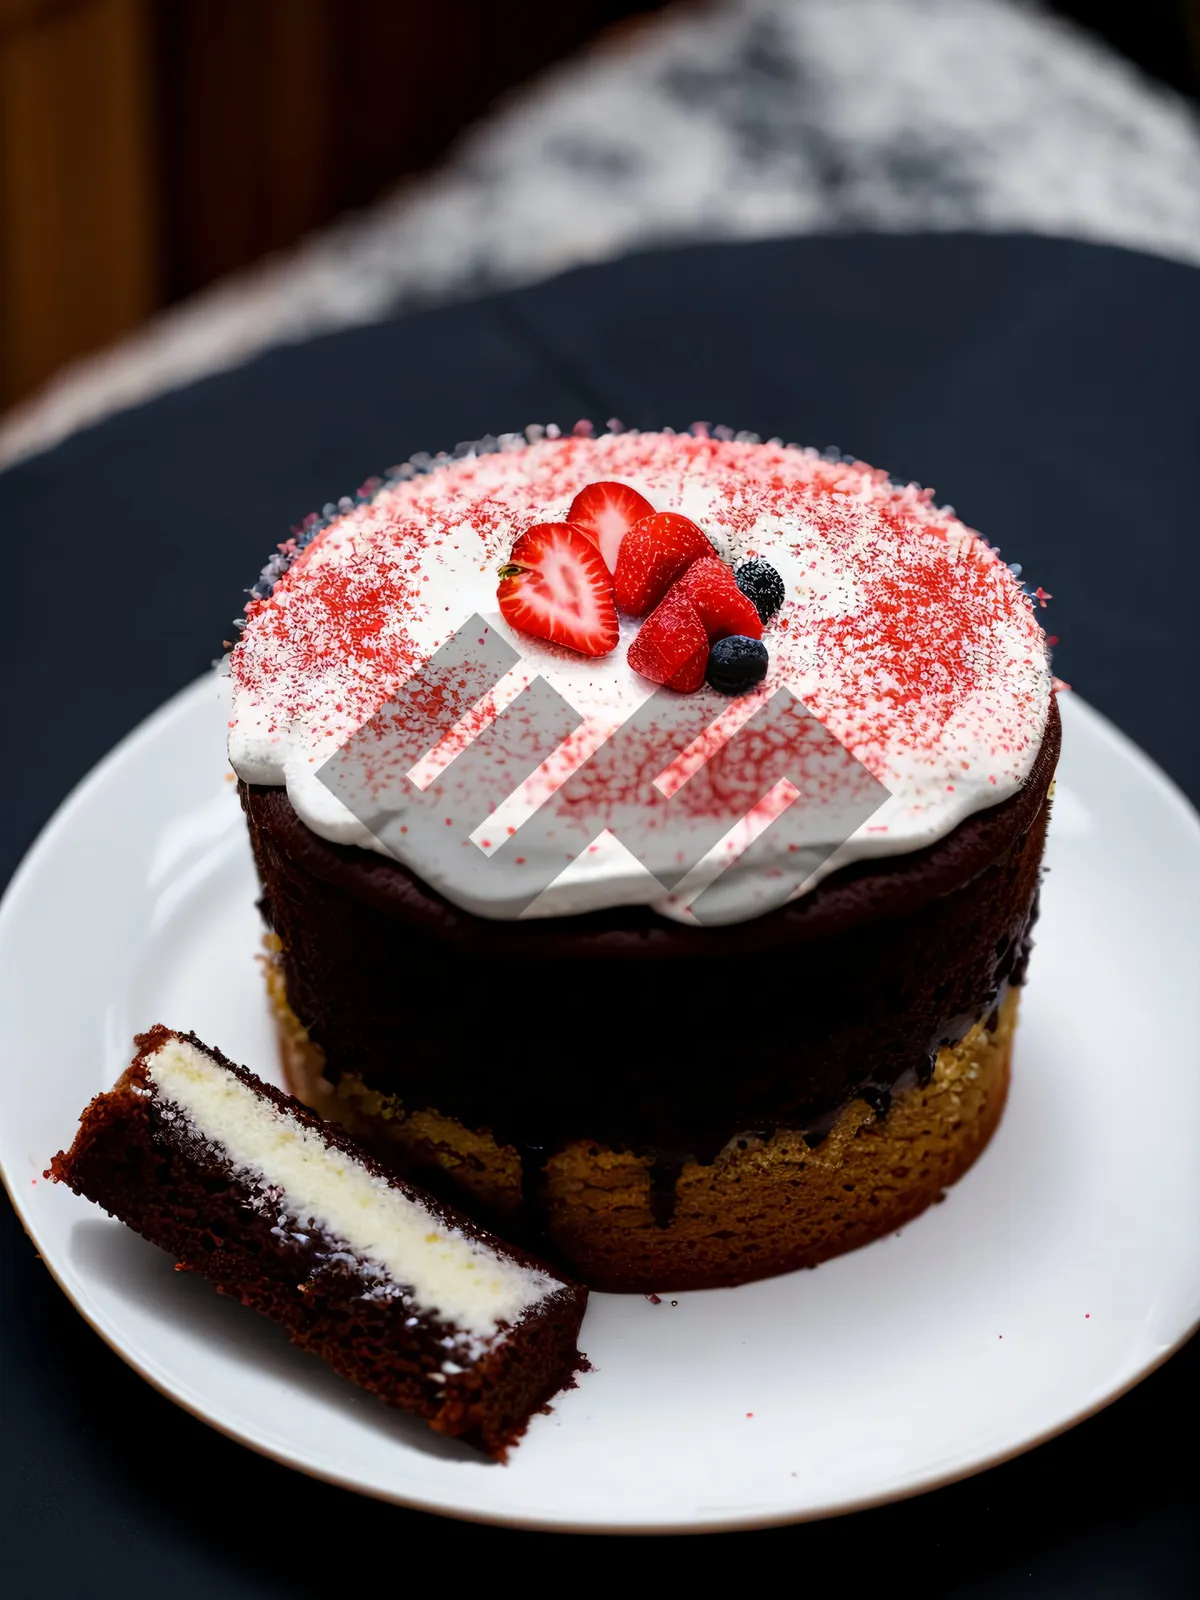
(1048, 390)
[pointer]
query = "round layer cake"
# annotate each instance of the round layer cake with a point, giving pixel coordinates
(687, 986)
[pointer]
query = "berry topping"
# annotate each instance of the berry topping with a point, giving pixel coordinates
(605, 512)
(653, 554)
(723, 608)
(555, 586)
(736, 663)
(762, 585)
(672, 646)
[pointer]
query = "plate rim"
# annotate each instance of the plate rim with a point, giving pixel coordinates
(179, 704)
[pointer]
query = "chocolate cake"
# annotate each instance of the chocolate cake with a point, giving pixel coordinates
(661, 1099)
(281, 1210)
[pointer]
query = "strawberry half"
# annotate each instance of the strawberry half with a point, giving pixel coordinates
(605, 512)
(653, 554)
(555, 586)
(723, 608)
(672, 646)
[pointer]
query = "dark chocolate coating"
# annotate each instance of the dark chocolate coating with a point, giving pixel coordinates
(640, 1033)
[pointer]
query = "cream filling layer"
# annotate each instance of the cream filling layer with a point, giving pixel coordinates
(447, 1274)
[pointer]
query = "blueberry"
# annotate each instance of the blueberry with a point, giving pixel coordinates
(736, 664)
(762, 586)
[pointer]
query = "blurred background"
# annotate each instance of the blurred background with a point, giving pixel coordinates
(184, 182)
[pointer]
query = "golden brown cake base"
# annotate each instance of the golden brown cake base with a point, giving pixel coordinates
(760, 1208)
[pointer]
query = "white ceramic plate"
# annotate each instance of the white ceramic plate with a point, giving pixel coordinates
(1062, 1269)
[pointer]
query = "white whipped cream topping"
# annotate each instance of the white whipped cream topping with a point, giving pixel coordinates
(445, 1273)
(904, 634)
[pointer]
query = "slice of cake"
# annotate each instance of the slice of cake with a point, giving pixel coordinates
(284, 1212)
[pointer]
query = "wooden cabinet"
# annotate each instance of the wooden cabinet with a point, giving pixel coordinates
(149, 146)
(79, 259)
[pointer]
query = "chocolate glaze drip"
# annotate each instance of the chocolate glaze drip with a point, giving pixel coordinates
(665, 1167)
(534, 1212)
(878, 1096)
(818, 1131)
(1023, 947)
(960, 1026)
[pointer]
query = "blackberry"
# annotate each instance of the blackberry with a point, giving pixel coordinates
(736, 664)
(762, 586)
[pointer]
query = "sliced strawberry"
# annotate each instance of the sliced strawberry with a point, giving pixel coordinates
(555, 586)
(653, 554)
(723, 608)
(606, 512)
(672, 646)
